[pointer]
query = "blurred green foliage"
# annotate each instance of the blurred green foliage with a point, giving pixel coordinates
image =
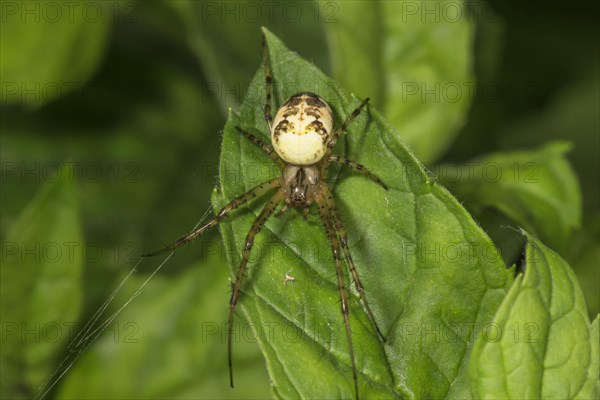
(53, 288)
(130, 98)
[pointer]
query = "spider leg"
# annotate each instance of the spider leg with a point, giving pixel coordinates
(233, 204)
(359, 167)
(341, 231)
(305, 212)
(324, 211)
(279, 213)
(268, 83)
(265, 147)
(348, 121)
(256, 227)
(336, 134)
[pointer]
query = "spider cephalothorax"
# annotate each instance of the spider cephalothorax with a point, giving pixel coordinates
(300, 182)
(303, 136)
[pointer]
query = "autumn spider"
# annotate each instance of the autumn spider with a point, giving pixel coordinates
(303, 136)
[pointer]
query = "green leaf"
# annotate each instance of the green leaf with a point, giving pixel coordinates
(432, 277)
(537, 189)
(169, 342)
(42, 259)
(50, 49)
(413, 59)
(591, 387)
(223, 37)
(583, 255)
(572, 113)
(540, 343)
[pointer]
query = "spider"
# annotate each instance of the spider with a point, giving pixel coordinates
(302, 136)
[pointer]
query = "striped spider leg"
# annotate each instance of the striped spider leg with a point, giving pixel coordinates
(302, 136)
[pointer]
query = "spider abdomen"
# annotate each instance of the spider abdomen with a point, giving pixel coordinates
(302, 128)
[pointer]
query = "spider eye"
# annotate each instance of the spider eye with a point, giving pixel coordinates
(299, 193)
